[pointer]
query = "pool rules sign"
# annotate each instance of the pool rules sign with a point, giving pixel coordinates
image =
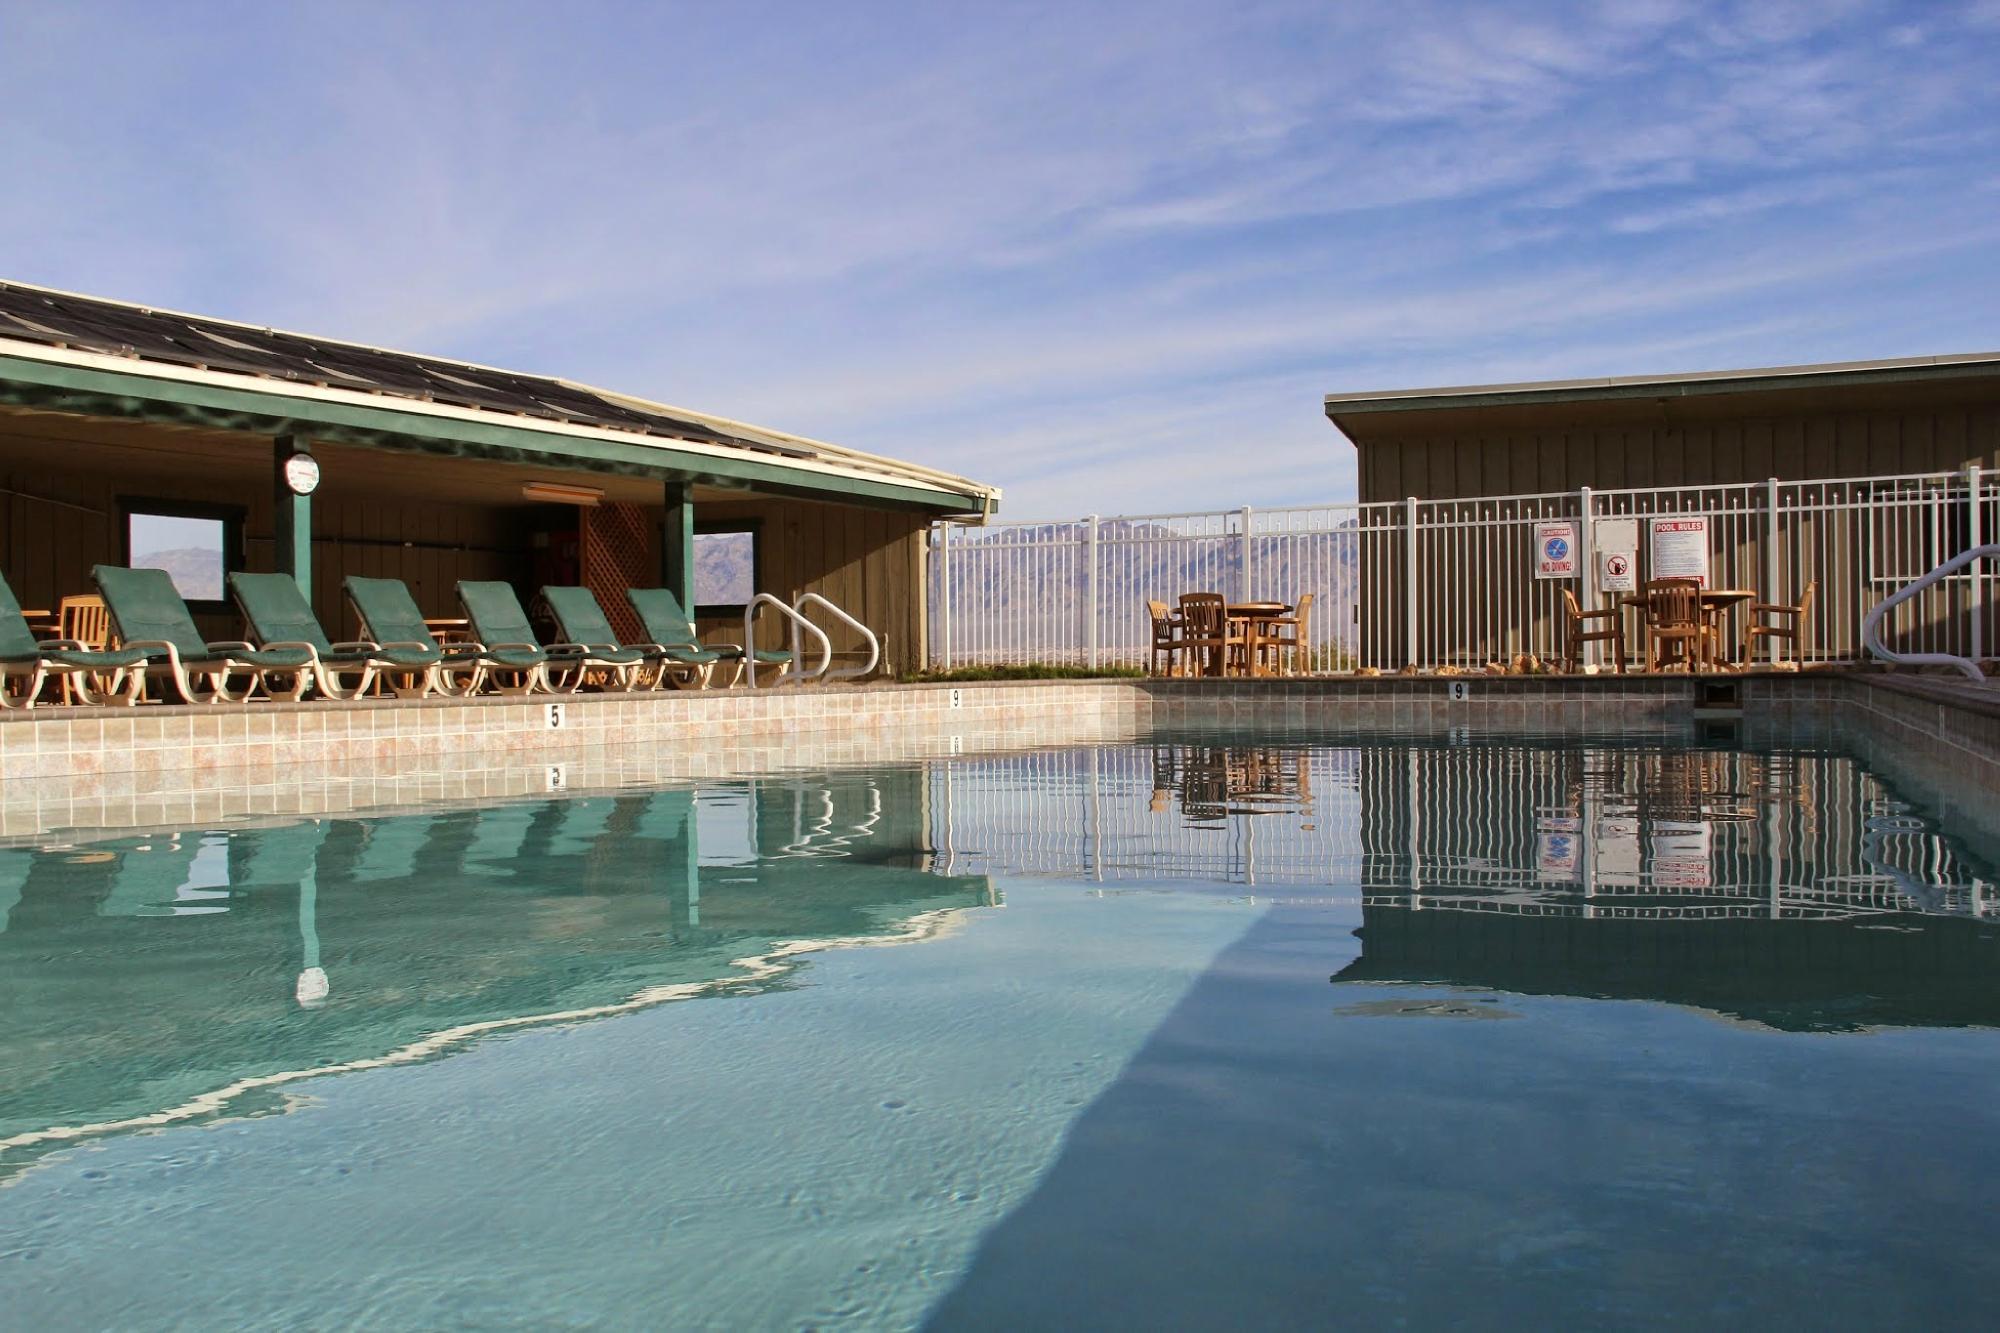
(1680, 547)
(1555, 550)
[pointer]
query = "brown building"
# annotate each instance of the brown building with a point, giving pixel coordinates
(1796, 423)
(130, 435)
(1852, 478)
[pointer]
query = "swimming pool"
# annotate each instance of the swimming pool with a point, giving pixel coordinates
(1210, 1029)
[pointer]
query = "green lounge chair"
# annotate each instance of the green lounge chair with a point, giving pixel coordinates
(665, 622)
(507, 642)
(279, 616)
(150, 615)
(28, 660)
(581, 619)
(419, 666)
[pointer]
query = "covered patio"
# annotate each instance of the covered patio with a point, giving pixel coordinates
(212, 447)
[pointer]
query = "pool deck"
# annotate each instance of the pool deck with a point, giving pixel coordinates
(112, 768)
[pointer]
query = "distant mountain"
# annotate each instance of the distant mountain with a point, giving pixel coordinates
(725, 568)
(1020, 592)
(196, 571)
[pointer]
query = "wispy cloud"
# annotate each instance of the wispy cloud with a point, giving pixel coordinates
(1069, 248)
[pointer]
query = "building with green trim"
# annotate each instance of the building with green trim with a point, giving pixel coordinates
(120, 422)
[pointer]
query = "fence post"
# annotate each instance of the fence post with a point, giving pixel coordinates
(1771, 560)
(1586, 555)
(1090, 590)
(1410, 580)
(944, 594)
(1975, 536)
(1243, 591)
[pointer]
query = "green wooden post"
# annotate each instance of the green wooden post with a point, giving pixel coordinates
(677, 544)
(292, 518)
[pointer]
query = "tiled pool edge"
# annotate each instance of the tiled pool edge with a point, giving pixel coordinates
(106, 769)
(1936, 737)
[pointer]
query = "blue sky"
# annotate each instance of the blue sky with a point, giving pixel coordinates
(1109, 257)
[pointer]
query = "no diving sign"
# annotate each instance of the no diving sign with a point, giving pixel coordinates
(1555, 550)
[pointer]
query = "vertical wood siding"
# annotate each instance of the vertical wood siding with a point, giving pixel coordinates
(58, 518)
(1563, 450)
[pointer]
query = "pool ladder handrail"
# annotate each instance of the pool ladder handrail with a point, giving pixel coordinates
(794, 670)
(867, 635)
(1871, 624)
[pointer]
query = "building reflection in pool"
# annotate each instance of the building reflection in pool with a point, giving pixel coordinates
(1794, 886)
(141, 973)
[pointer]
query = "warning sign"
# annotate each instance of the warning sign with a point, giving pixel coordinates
(1680, 547)
(1555, 550)
(1559, 851)
(1615, 571)
(1681, 854)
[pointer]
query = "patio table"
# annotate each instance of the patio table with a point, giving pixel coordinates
(1714, 602)
(1254, 616)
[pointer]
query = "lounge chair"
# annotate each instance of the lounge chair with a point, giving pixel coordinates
(155, 879)
(392, 849)
(412, 662)
(15, 867)
(32, 661)
(149, 614)
(581, 619)
(278, 616)
(507, 643)
(499, 833)
(665, 622)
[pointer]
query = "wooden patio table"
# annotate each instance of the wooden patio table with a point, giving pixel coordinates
(1254, 616)
(1714, 602)
(448, 629)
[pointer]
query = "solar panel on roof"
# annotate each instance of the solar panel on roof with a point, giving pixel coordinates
(32, 315)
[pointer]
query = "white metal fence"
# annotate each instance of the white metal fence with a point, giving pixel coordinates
(1435, 583)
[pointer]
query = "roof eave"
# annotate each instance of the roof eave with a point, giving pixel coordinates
(92, 384)
(1698, 385)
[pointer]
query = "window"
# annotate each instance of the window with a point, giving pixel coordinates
(196, 544)
(726, 569)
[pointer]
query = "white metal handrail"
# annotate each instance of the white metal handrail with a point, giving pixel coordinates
(1871, 625)
(794, 670)
(867, 635)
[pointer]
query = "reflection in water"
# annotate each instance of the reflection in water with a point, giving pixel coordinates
(1792, 886)
(184, 974)
(1122, 1109)
(176, 975)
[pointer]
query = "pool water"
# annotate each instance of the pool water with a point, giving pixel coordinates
(1259, 1031)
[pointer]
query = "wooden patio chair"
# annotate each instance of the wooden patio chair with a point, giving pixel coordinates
(1207, 630)
(1581, 633)
(83, 618)
(1789, 620)
(1674, 619)
(1273, 644)
(1168, 644)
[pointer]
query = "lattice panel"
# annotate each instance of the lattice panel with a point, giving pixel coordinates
(620, 550)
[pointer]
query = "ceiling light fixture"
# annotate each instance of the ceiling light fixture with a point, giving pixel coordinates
(556, 492)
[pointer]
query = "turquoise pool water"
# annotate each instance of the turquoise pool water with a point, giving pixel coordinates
(1201, 1032)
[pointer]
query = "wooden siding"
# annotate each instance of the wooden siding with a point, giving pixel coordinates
(59, 515)
(1532, 449)
(867, 561)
